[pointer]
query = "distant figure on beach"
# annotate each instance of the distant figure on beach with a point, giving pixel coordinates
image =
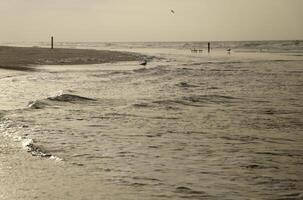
(172, 11)
(194, 50)
(228, 51)
(144, 63)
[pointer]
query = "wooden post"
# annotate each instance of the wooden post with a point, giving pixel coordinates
(208, 47)
(52, 42)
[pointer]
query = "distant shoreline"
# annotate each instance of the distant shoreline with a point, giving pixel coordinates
(3, 43)
(26, 58)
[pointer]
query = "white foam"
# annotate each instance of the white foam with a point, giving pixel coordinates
(26, 143)
(15, 132)
(56, 158)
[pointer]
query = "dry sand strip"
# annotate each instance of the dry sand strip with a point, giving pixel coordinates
(25, 58)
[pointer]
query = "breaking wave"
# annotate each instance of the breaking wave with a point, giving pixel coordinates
(67, 98)
(36, 150)
(20, 133)
(17, 132)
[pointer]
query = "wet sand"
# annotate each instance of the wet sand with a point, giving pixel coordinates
(25, 58)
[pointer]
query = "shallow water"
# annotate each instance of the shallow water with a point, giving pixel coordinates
(186, 126)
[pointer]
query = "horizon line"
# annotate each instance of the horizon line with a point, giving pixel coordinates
(153, 41)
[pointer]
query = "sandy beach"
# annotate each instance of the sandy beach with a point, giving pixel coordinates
(25, 58)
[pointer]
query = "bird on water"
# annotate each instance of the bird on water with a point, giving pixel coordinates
(144, 63)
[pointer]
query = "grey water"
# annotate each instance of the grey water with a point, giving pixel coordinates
(186, 126)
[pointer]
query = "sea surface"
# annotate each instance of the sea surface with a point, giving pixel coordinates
(214, 126)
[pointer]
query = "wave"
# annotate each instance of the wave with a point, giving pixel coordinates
(213, 62)
(192, 100)
(38, 104)
(198, 100)
(35, 150)
(189, 191)
(20, 133)
(143, 69)
(67, 98)
(17, 133)
(186, 85)
(158, 70)
(225, 63)
(142, 105)
(209, 99)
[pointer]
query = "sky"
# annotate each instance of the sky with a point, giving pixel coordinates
(150, 20)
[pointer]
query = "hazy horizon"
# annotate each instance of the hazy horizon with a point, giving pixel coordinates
(47, 40)
(145, 20)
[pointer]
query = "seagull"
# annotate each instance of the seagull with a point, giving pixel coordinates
(144, 63)
(172, 11)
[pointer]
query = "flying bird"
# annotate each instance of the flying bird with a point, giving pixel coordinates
(172, 11)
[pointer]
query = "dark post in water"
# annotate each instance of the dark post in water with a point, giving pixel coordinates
(52, 42)
(208, 47)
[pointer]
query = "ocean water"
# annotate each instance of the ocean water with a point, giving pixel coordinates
(185, 126)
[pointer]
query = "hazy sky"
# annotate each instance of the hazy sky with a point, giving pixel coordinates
(150, 20)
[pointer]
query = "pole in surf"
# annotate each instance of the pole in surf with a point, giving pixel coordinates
(52, 42)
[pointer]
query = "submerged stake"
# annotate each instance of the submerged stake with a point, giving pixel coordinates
(52, 42)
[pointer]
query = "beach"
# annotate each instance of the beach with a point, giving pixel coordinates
(95, 124)
(24, 58)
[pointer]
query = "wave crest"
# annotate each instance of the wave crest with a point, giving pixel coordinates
(30, 146)
(69, 98)
(66, 98)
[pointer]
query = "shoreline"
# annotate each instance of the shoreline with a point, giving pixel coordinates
(26, 58)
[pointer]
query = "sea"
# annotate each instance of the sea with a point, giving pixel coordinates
(224, 125)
